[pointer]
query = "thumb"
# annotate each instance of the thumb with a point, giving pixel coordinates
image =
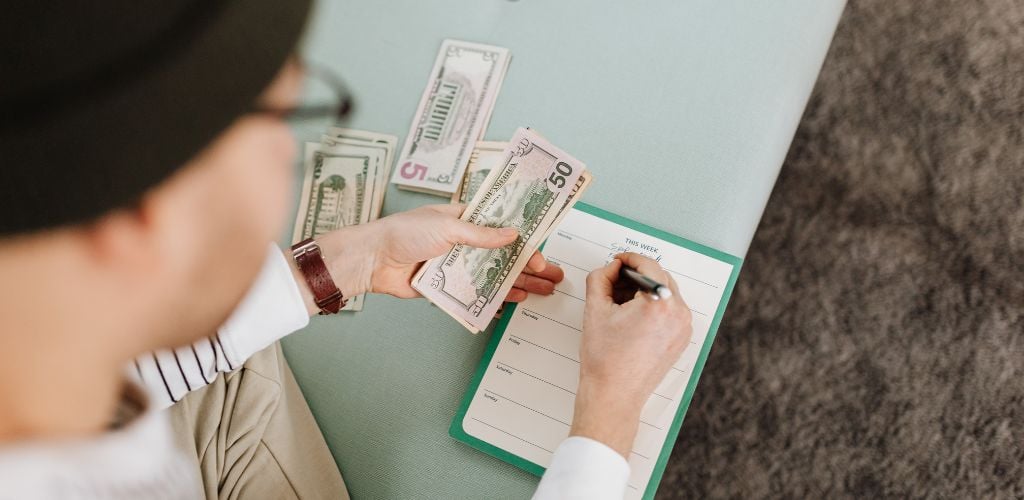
(484, 237)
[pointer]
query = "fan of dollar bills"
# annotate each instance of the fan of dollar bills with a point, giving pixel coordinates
(526, 183)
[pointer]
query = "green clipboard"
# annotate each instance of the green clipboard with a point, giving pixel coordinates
(456, 431)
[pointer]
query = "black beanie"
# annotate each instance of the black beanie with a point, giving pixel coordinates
(100, 101)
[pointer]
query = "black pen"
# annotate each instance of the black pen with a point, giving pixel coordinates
(652, 288)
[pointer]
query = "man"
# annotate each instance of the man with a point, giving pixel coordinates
(145, 167)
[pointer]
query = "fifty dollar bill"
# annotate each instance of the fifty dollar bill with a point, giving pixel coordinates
(533, 187)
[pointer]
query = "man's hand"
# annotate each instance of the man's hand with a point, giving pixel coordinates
(383, 255)
(629, 343)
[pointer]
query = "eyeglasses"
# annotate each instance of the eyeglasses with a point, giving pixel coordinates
(338, 110)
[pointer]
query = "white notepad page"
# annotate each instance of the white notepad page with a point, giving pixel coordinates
(524, 403)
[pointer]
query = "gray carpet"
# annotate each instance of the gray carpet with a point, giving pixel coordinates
(875, 344)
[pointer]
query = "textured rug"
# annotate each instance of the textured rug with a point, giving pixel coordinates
(875, 344)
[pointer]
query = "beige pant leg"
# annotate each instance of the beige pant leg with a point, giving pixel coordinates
(253, 435)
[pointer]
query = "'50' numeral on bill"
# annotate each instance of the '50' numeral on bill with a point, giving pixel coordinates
(562, 170)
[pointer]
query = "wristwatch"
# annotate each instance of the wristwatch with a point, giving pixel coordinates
(311, 263)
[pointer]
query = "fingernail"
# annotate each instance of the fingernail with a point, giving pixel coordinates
(509, 232)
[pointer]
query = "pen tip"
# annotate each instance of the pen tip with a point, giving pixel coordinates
(664, 292)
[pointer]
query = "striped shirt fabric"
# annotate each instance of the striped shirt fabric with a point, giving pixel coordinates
(271, 309)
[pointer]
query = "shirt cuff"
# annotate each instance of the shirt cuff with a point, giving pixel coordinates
(584, 468)
(271, 309)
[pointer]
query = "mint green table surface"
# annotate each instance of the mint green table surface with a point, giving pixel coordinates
(683, 110)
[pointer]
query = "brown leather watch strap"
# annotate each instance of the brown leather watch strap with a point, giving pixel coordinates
(325, 293)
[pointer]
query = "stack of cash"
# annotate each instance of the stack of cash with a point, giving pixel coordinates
(527, 183)
(483, 159)
(452, 116)
(346, 175)
(531, 189)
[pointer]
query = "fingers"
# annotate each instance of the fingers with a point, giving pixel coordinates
(600, 283)
(536, 263)
(650, 267)
(645, 265)
(534, 284)
(678, 298)
(670, 282)
(516, 295)
(540, 267)
(540, 283)
(551, 273)
(481, 236)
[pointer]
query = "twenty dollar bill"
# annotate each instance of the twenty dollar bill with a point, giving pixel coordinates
(344, 183)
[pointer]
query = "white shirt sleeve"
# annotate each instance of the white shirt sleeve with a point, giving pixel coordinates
(582, 468)
(271, 309)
